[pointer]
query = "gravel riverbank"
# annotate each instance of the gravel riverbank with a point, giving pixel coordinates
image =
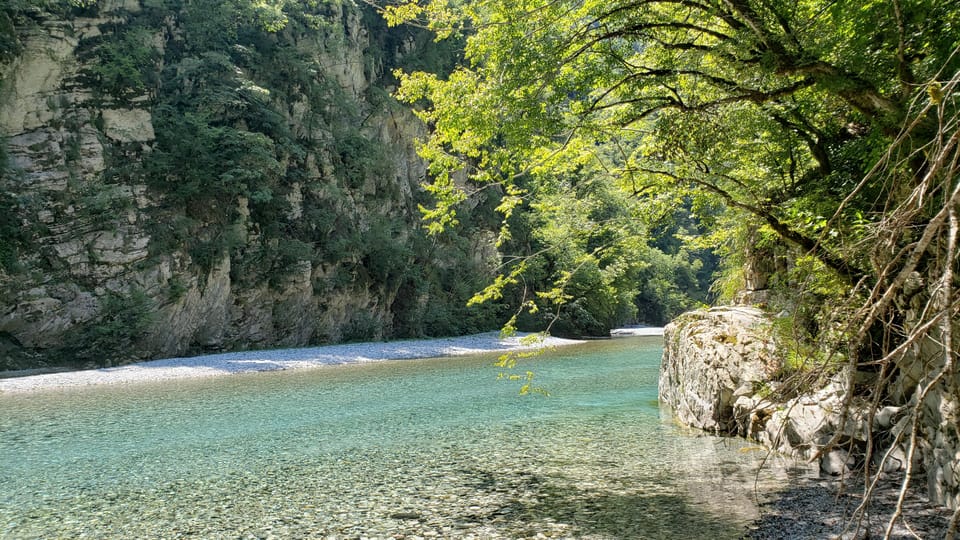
(826, 509)
(277, 359)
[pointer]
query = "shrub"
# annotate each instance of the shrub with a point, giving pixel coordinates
(126, 64)
(11, 234)
(112, 337)
(198, 160)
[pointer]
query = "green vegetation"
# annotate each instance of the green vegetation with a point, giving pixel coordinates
(767, 118)
(629, 155)
(591, 163)
(17, 13)
(232, 151)
(270, 154)
(111, 338)
(585, 259)
(815, 144)
(123, 65)
(10, 234)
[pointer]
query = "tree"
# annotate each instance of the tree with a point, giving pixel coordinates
(685, 86)
(830, 127)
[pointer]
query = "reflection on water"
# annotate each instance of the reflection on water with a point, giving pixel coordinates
(430, 448)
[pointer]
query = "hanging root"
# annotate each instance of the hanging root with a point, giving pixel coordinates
(913, 243)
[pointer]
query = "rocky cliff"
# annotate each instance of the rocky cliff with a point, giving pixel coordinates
(180, 177)
(726, 370)
(711, 358)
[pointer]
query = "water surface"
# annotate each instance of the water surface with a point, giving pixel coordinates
(400, 449)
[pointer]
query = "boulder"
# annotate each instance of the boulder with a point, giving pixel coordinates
(711, 358)
(719, 374)
(128, 125)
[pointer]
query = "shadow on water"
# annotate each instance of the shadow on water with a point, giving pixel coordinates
(534, 504)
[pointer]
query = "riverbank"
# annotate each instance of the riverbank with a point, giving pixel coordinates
(819, 508)
(278, 359)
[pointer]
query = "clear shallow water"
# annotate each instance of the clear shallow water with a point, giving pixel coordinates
(400, 449)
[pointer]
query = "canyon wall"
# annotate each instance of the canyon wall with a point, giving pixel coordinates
(182, 177)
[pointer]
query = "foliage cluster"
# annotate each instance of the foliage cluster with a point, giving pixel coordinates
(260, 156)
(16, 14)
(10, 233)
(111, 338)
(408, 47)
(588, 263)
(224, 134)
(245, 114)
(761, 113)
(122, 65)
(824, 129)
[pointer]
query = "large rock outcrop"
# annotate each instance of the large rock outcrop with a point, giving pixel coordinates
(711, 358)
(722, 371)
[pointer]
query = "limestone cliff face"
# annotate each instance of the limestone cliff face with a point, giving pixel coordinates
(722, 371)
(176, 180)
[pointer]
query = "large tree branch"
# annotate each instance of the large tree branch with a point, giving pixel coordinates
(850, 273)
(639, 30)
(741, 17)
(658, 76)
(854, 89)
(707, 9)
(813, 140)
(664, 102)
(903, 67)
(753, 21)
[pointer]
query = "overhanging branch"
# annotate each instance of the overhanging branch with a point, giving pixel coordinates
(850, 273)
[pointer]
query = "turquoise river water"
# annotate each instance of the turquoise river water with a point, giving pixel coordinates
(432, 448)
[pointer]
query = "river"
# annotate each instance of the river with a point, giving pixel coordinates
(401, 449)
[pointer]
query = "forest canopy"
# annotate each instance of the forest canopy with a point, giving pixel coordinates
(822, 133)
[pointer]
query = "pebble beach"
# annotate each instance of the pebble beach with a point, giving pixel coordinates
(283, 359)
